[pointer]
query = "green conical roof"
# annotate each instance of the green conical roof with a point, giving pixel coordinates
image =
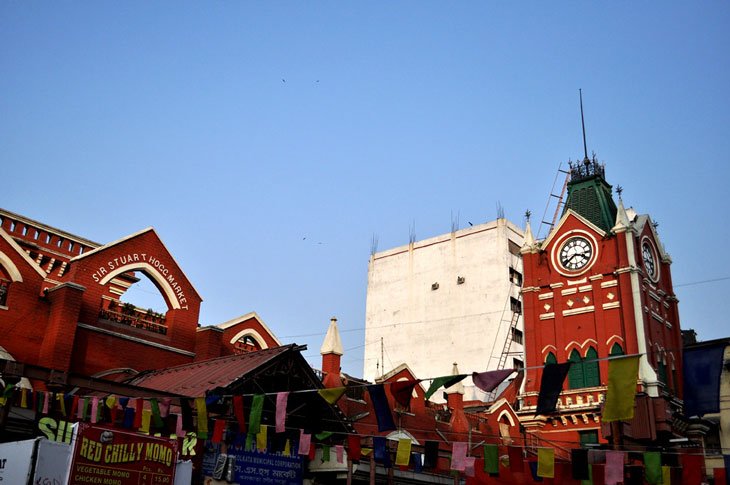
(590, 195)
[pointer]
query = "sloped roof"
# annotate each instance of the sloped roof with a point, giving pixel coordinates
(194, 380)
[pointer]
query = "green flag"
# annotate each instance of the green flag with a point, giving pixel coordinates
(491, 459)
(653, 467)
(446, 381)
(254, 419)
(622, 375)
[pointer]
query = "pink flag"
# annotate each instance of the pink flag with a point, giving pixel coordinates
(469, 469)
(94, 408)
(281, 399)
(179, 431)
(80, 409)
(304, 442)
(340, 453)
(614, 467)
(164, 407)
(46, 401)
(458, 456)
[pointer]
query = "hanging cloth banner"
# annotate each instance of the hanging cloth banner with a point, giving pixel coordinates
(353, 447)
(254, 418)
(202, 411)
(128, 420)
(219, 427)
(491, 459)
(579, 464)
(287, 448)
(332, 394)
(403, 454)
(305, 441)
(470, 466)
(144, 428)
(179, 431)
(382, 410)
(262, 438)
(431, 454)
(138, 406)
(667, 475)
(156, 416)
(515, 459)
(380, 451)
(402, 392)
(445, 381)
(187, 414)
(720, 476)
(692, 469)
(340, 453)
(546, 462)
(165, 407)
(325, 453)
(239, 413)
(488, 381)
(653, 467)
(281, 400)
(614, 467)
(702, 367)
(94, 409)
(551, 384)
(621, 394)
(458, 456)
(533, 471)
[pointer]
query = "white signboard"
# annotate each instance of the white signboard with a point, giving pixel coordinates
(15, 461)
(53, 463)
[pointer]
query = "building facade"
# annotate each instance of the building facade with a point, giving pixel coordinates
(61, 307)
(600, 285)
(451, 297)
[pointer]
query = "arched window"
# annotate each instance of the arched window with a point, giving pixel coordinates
(616, 349)
(551, 359)
(584, 371)
(661, 370)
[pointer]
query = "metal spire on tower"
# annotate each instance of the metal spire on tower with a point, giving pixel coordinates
(583, 123)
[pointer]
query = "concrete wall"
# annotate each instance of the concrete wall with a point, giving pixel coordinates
(430, 329)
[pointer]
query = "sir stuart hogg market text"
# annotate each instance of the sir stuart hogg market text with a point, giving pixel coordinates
(130, 259)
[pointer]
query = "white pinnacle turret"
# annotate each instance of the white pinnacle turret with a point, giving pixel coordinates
(332, 343)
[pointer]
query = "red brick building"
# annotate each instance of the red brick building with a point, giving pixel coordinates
(600, 284)
(60, 304)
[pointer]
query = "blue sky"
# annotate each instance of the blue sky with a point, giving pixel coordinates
(267, 142)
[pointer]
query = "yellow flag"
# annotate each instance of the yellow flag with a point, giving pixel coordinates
(24, 399)
(403, 455)
(333, 394)
(202, 410)
(110, 401)
(666, 475)
(622, 375)
(146, 418)
(366, 451)
(546, 462)
(287, 448)
(261, 438)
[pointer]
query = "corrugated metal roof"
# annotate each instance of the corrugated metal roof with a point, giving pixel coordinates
(193, 380)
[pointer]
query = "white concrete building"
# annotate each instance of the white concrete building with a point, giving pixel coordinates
(450, 298)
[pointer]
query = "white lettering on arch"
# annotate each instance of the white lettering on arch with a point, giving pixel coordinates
(161, 280)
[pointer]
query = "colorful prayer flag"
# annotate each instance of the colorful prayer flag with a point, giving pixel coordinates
(202, 411)
(239, 413)
(488, 381)
(254, 418)
(702, 367)
(381, 407)
(402, 392)
(491, 459)
(262, 438)
(546, 462)
(620, 396)
(445, 381)
(614, 466)
(403, 453)
(305, 441)
(281, 400)
(653, 467)
(332, 394)
(458, 455)
(551, 384)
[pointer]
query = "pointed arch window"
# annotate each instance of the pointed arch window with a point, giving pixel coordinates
(616, 349)
(551, 359)
(584, 372)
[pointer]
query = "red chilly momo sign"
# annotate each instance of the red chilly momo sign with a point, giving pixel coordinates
(113, 457)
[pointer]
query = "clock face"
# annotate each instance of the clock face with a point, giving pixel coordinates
(647, 254)
(576, 253)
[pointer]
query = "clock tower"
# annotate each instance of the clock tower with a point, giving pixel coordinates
(600, 285)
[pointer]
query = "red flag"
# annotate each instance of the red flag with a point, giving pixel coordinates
(515, 459)
(353, 447)
(692, 469)
(402, 392)
(218, 428)
(238, 411)
(139, 404)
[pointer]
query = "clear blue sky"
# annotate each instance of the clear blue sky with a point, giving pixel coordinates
(237, 129)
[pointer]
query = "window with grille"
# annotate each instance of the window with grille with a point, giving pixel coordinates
(4, 286)
(517, 336)
(515, 304)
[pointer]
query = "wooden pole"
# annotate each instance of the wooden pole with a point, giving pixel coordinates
(372, 468)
